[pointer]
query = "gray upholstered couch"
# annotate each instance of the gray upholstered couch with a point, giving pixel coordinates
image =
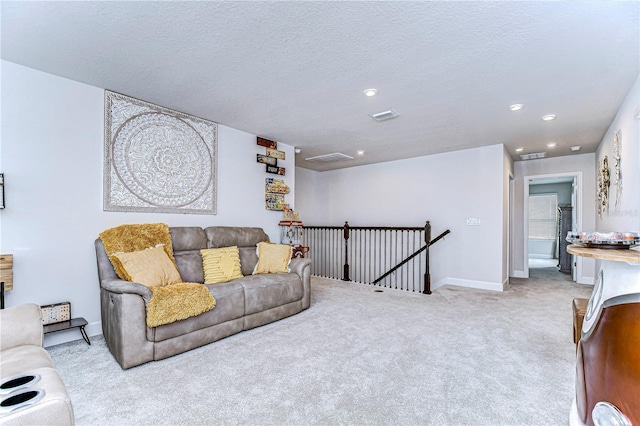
(32, 391)
(241, 304)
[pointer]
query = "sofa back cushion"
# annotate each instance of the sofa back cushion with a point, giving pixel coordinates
(244, 238)
(187, 243)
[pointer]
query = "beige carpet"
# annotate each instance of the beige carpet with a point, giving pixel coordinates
(356, 357)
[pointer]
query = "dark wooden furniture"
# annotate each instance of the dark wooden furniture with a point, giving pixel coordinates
(66, 325)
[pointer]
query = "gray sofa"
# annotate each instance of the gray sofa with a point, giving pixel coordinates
(31, 390)
(241, 304)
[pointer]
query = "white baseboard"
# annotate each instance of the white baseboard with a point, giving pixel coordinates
(585, 280)
(519, 274)
(505, 284)
(60, 337)
(481, 285)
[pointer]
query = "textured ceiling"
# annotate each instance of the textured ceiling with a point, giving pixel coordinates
(294, 72)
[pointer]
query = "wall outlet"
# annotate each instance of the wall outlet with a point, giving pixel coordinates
(473, 221)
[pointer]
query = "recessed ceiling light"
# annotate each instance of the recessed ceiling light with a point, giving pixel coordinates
(297, 150)
(552, 144)
(370, 92)
(576, 148)
(360, 152)
(519, 149)
(516, 107)
(548, 117)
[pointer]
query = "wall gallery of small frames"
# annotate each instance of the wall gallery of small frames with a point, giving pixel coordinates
(275, 189)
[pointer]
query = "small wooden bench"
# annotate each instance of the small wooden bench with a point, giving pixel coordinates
(579, 309)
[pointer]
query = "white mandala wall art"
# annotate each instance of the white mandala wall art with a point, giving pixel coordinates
(157, 160)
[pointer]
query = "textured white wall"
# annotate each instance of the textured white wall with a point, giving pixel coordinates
(445, 189)
(52, 144)
(625, 217)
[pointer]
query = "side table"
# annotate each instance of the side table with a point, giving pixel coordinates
(66, 325)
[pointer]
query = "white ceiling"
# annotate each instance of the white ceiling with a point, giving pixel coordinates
(294, 72)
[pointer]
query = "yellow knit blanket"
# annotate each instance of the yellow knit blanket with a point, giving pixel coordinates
(169, 303)
(176, 302)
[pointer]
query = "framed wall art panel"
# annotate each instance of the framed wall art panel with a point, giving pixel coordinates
(157, 159)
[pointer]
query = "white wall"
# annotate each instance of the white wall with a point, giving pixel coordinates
(445, 189)
(583, 164)
(625, 217)
(314, 196)
(51, 154)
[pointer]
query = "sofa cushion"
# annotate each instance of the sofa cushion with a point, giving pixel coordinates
(189, 265)
(264, 292)
(227, 236)
(221, 264)
(229, 305)
(248, 259)
(151, 267)
(188, 238)
(272, 258)
(187, 243)
(23, 359)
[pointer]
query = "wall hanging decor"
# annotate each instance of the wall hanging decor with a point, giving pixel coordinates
(267, 143)
(617, 172)
(276, 170)
(274, 153)
(274, 190)
(1, 190)
(267, 160)
(157, 159)
(604, 181)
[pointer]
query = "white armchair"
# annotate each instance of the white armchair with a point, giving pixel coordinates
(31, 390)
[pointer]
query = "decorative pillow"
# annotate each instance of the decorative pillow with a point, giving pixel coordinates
(272, 258)
(221, 264)
(151, 267)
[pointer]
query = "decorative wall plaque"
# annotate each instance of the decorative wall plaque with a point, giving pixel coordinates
(617, 172)
(604, 181)
(267, 143)
(157, 159)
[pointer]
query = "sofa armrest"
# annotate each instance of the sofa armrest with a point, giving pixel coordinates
(122, 286)
(302, 268)
(21, 325)
(297, 265)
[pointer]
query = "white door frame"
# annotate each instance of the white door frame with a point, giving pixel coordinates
(576, 218)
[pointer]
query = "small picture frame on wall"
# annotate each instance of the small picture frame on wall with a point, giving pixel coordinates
(275, 170)
(267, 143)
(274, 201)
(267, 160)
(274, 153)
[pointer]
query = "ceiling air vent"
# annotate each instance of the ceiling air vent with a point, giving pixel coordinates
(385, 115)
(533, 155)
(329, 158)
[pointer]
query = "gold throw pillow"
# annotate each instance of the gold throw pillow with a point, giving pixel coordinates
(272, 258)
(151, 267)
(221, 264)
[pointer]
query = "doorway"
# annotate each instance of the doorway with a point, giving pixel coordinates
(551, 209)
